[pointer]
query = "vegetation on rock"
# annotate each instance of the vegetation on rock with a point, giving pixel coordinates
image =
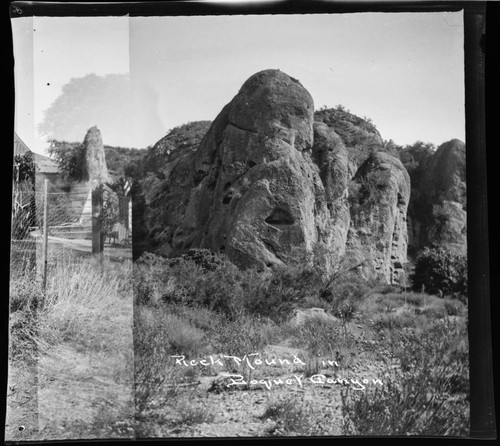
(359, 135)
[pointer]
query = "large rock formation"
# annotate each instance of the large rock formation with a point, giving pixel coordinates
(379, 202)
(94, 174)
(438, 209)
(268, 184)
(95, 168)
(256, 191)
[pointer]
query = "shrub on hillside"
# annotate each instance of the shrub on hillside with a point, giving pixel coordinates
(292, 417)
(149, 279)
(204, 279)
(276, 295)
(205, 258)
(427, 395)
(440, 271)
(345, 293)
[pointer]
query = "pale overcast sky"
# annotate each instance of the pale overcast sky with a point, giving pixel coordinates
(404, 71)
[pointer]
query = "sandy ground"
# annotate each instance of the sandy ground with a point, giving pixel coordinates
(84, 396)
(239, 412)
(21, 422)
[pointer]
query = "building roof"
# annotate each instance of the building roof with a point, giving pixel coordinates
(44, 164)
(19, 146)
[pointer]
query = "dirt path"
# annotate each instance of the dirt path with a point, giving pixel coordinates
(84, 396)
(21, 422)
(83, 245)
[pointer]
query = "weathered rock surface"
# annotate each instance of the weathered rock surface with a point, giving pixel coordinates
(303, 316)
(256, 192)
(95, 166)
(184, 138)
(359, 135)
(378, 233)
(331, 157)
(438, 210)
(160, 198)
(268, 184)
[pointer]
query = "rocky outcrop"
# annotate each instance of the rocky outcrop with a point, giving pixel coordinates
(257, 193)
(303, 316)
(331, 158)
(377, 236)
(95, 168)
(438, 210)
(94, 174)
(359, 135)
(184, 138)
(268, 185)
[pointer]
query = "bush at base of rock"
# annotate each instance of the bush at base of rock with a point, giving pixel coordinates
(441, 271)
(205, 258)
(220, 286)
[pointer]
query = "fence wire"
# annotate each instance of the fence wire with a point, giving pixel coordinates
(69, 226)
(26, 224)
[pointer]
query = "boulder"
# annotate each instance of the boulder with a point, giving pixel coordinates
(303, 316)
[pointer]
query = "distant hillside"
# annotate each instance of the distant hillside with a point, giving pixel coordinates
(121, 161)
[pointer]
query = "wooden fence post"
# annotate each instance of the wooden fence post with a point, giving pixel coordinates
(97, 226)
(45, 232)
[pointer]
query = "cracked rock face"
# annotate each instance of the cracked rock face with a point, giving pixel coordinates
(439, 212)
(256, 189)
(267, 184)
(378, 234)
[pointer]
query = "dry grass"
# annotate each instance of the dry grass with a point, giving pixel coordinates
(426, 395)
(80, 304)
(190, 411)
(158, 334)
(78, 333)
(292, 417)
(25, 295)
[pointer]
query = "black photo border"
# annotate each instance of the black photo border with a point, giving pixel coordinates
(481, 32)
